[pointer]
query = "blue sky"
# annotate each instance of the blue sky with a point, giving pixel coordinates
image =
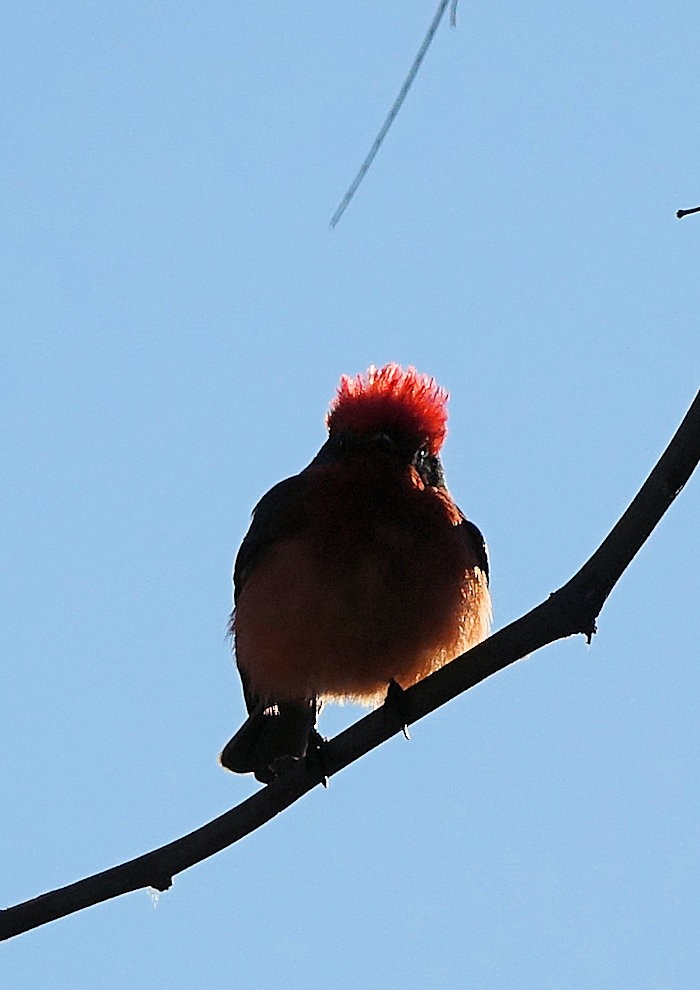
(176, 314)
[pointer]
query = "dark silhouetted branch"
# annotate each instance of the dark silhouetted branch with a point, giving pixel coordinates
(684, 213)
(398, 103)
(572, 609)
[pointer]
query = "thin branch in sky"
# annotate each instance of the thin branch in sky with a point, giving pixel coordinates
(572, 609)
(684, 213)
(398, 103)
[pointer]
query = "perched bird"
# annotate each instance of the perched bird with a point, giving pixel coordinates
(358, 572)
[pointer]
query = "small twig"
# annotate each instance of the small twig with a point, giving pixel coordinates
(684, 213)
(398, 103)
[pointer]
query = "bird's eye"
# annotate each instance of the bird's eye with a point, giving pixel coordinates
(422, 453)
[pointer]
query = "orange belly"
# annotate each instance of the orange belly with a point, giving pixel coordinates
(359, 598)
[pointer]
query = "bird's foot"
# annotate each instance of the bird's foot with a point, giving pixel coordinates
(316, 755)
(395, 706)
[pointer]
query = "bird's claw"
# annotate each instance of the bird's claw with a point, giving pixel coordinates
(316, 755)
(395, 704)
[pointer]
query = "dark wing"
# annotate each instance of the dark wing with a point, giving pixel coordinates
(476, 543)
(280, 513)
(272, 732)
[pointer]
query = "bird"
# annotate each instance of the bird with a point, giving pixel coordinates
(358, 575)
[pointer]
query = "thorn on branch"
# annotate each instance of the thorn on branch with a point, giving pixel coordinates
(161, 883)
(578, 604)
(591, 633)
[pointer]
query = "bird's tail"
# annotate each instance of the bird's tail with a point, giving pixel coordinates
(270, 734)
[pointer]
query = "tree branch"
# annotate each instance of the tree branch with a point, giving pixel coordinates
(570, 610)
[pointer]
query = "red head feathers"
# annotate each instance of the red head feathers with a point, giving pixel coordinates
(391, 398)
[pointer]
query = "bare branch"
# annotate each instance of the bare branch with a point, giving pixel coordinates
(570, 610)
(684, 213)
(398, 103)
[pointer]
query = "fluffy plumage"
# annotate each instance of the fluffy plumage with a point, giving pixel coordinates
(359, 570)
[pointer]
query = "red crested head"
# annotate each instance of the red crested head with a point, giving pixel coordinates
(391, 398)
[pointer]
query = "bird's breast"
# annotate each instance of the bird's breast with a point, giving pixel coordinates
(379, 584)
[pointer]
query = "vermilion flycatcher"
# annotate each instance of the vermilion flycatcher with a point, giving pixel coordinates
(357, 572)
